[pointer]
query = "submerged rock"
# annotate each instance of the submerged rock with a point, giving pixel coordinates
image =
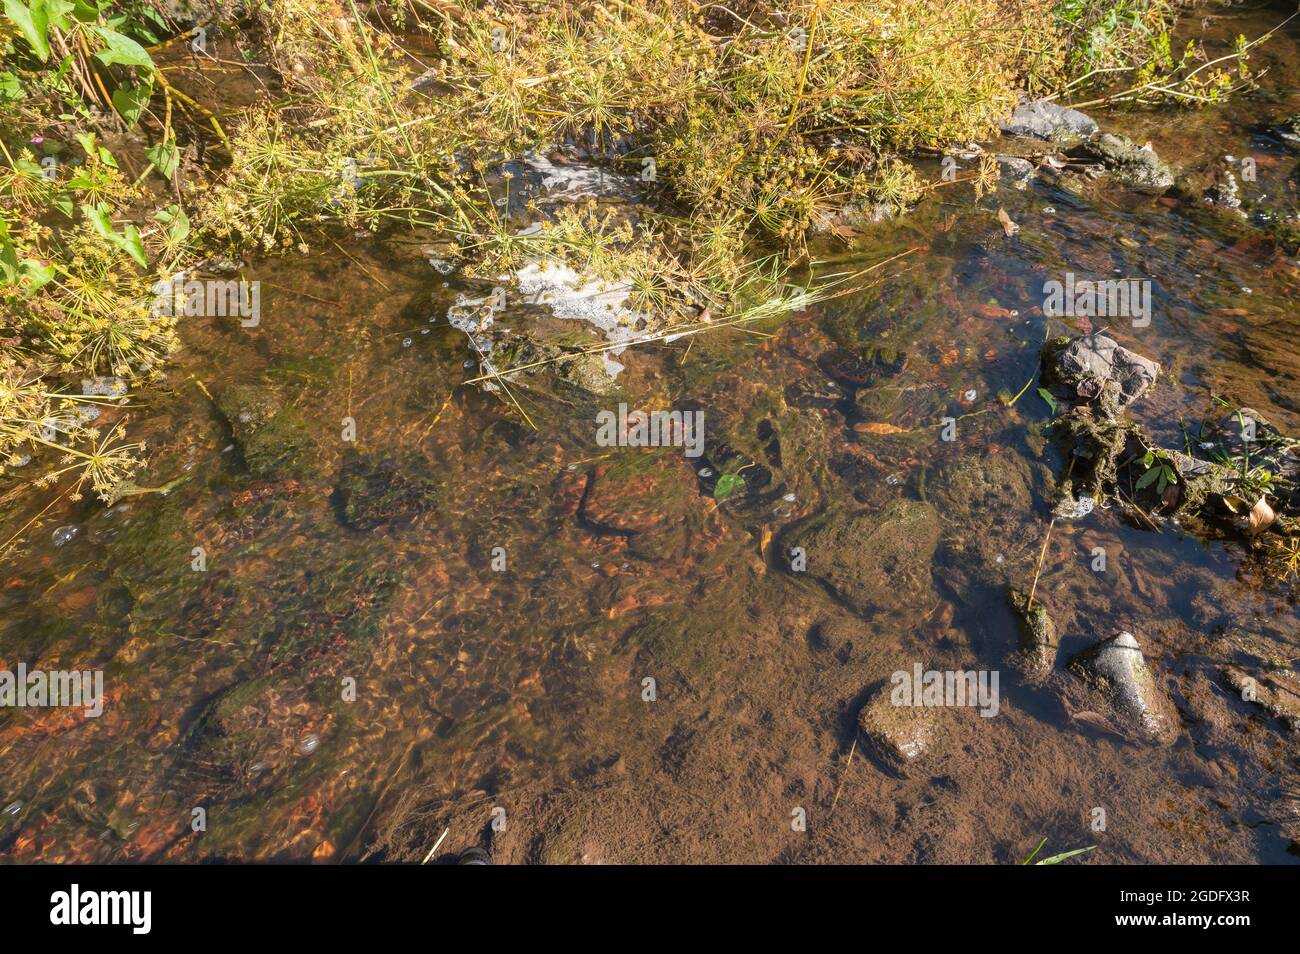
(371, 493)
(1038, 642)
(270, 435)
(862, 368)
(1116, 668)
(812, 392)
(902, 738)
(1287, 130)
(1019, 172)
(1225, 192)
(874, 560)
(1043, 119)
(1129, 163)
(1090, 364)
(650, 498)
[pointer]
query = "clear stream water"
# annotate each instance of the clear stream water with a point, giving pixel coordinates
(353, 672)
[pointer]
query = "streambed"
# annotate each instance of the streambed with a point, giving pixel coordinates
(448, 619)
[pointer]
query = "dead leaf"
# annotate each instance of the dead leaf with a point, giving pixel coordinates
(764, 539)
(1261, 517)
(1009, 227)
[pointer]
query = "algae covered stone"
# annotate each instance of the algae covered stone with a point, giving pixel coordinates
(371, 493)
(1038, 640)
(874, 560)
(271, 435)
(902, 738)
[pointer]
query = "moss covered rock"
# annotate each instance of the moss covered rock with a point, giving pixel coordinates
(874, 560)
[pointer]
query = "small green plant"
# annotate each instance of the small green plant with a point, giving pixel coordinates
(1158, 469)
(1054, 859)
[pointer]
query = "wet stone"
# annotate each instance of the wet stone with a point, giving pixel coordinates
(1127, 162)
(1042, 119)
(1019, 172)
(902, 738)
(813, 392)
(652, 499)
(1090, 363)
(1116, 668)
(270, 435)
(1038, 640)
(874, 560)
(1224, 193)
(862, 368)
(1287, 130)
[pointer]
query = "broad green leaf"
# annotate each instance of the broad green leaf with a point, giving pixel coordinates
(177, 222)
(727, 485)
(32, 23)
(130, 101)
(129, 242)
(35, 274)
(1047, 396)
(56, 12)
(120, 49)
(1147, 479)
(163, 155)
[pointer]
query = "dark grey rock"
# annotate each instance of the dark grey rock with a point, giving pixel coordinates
(1287, 129)
(1041, 119)
(1129, 163)
(1093, 361)
(1116, 668)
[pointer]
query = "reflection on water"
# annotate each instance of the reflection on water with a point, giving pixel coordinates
(456, 612)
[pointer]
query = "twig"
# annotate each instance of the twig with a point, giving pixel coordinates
(1029, 605)
(435, 846)
(843, 777)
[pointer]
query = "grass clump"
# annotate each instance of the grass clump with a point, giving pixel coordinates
(747, 128)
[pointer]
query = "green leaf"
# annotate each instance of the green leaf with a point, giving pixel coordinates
(128, 240)
(36, 274)
(177, 222)
(1147, 479)
(1046, 395)
(130, 101)
(33, 23)
(164, 157)
(1056, 859)
(8, 255)
(727, 485)
(120, 49)
(10, 86)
